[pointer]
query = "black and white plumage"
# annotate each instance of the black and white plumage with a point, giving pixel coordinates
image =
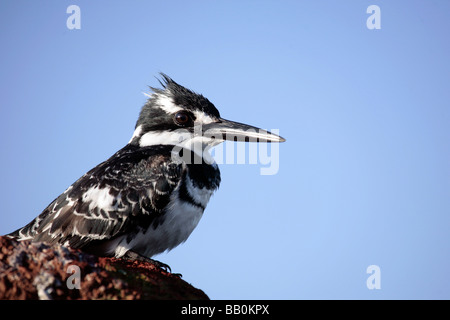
(150, 195)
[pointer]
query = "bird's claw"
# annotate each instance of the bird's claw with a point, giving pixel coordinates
(160, 265)
(133, 256)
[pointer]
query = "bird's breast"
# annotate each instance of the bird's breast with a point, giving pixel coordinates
(181, 216)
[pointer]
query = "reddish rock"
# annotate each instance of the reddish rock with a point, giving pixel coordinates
(41, 271)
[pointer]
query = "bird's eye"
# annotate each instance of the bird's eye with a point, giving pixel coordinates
(182, 118)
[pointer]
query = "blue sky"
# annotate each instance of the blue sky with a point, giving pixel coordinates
(363, 179)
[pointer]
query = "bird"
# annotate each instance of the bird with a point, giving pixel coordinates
(149, 196)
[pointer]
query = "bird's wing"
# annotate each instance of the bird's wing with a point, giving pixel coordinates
(129, 189)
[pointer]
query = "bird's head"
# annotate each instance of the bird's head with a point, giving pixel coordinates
(178, 116)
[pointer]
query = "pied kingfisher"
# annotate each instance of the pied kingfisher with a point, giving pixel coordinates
(150, 195)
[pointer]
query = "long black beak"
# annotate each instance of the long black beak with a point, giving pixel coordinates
(235, 131)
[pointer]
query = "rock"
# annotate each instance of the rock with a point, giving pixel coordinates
(33, 270)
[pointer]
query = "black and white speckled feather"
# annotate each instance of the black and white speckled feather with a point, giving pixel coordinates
(137, 195)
